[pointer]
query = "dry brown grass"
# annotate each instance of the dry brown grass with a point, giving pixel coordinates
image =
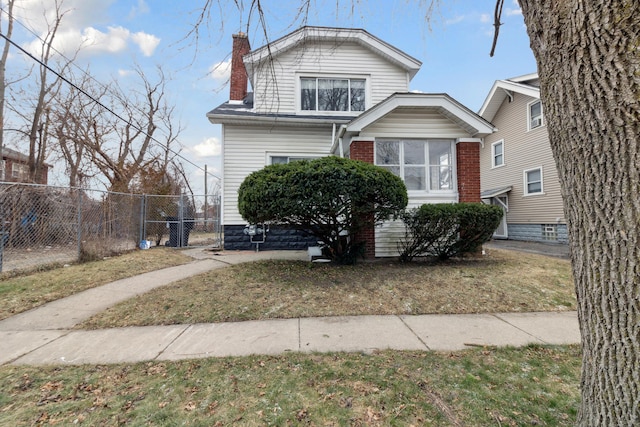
(20, 293)
(501, 281)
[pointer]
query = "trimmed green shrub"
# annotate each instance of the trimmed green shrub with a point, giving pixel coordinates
(331, 198)
(447, 230)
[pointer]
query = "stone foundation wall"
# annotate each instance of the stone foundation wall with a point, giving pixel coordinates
(534, 233)
(278, 238)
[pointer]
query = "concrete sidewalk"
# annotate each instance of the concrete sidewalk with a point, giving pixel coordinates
(44, 335)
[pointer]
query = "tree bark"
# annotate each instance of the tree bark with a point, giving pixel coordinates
(588, 55)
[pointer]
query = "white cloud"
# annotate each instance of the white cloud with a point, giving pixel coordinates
(210, 147)
(124, 73)
(146, 42)
(78, 28)
(458, 19)
(220, 71)
(485, 18)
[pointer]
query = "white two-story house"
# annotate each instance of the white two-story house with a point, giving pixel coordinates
(335, 91)
(518, 171)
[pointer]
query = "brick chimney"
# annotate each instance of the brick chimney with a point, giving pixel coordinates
(239, 79)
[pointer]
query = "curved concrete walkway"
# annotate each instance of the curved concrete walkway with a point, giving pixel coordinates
(44, 335)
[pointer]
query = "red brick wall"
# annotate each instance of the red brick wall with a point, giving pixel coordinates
(239, 79)
(468, 164)
(363, 150)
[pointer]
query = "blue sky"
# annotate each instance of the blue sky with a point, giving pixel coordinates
(118, 34)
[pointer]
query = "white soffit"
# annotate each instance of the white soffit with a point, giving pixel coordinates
(500, 91)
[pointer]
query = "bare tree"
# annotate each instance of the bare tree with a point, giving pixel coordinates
(75, 118)
(46, 90)
(121, 150)
(3, 70)
(588, 59)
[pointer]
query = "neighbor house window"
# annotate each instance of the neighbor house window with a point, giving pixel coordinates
(423, 165)
(19, 171)
(332, 94)
(535, 115)
(533, 181)
(497, 154)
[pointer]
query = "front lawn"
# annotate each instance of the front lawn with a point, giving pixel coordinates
(501, 281)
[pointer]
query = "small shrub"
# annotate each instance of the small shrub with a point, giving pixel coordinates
(447, 230)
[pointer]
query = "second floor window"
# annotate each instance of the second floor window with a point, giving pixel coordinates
(328, 94)
(497, 154)
(535, 115)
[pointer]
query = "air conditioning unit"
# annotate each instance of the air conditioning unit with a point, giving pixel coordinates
(536, 122)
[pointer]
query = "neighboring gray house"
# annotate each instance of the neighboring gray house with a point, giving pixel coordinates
(517, 168)
(334, 91)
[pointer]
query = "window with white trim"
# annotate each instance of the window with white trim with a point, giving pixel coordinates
(424, 165)
(332, 94)
(533, 181)
(535, 114)
(275, 160)
(497, 154)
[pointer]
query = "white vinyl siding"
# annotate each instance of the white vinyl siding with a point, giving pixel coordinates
(407, 123)
(526, 150)
(249, 148)
(348, 60)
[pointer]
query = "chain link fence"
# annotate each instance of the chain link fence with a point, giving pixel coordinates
(42, 225)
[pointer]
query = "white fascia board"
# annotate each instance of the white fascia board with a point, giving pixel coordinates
(498, 93)
(283, 44)
(290, 121)
(524, 78)
(443, 101)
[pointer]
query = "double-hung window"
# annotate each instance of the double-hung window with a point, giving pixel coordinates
(424, 165)
(332, 94)
(535, 114)
(533, 181)
(497, 154)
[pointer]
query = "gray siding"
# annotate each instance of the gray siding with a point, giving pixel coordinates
(330, 59)
(523, 150)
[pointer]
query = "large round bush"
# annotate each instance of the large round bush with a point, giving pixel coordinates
(331, 198)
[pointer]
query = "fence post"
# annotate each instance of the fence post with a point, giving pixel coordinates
(79, 233)
(143, 218)
(1, 241)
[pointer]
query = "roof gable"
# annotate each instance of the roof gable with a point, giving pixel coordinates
(502, 89)
(443, 103)
(308, 34)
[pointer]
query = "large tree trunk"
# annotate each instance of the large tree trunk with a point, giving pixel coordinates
(588, 54)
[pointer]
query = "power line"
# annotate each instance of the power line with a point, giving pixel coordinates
(91, 97)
